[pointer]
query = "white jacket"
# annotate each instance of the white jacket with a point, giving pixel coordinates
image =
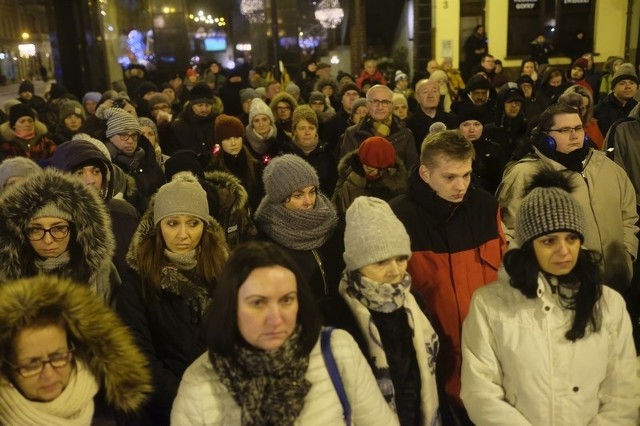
(519, 369)
(203, 400)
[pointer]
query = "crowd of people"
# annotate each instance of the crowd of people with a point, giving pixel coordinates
(454, 249)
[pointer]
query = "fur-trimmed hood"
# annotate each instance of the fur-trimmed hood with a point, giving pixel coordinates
(282, 97)
(396, 181)
(102, 341)
(232, 195)
(91, 220)
(327, 81)
(146, 229)
(8, 134)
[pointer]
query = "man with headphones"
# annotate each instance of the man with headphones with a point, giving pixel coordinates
(602, 188)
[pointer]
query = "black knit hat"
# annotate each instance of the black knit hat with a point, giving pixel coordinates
(347, 87)
(26, 86)
(183, 160)
(20, 110)
(201, 93)
(478, 82)
(548, 207)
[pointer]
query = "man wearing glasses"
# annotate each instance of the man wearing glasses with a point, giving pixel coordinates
(601, 187)
(380, 121)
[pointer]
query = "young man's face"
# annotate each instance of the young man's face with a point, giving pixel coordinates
(449, 178)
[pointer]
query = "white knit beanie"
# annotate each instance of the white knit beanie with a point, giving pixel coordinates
(373, 234)
(258, 107)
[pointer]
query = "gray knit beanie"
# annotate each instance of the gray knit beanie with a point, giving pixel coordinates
(626, 72)
(17, 167)
(69, 107)
(183, 195)
(373, 234)
(259, 107)
(52, 210)
(548, 207)
(247, 94)
(286, 174)
(120, 121)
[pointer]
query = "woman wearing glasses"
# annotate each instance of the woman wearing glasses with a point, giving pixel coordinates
(59, 346)
(603, 189)
(54, 224)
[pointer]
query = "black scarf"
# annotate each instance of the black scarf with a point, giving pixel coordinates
(270, 387)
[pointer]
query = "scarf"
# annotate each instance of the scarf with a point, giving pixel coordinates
(48, 265)
(270, 387)
(383, 128)
(130, 162)
(298, 229)
(574, 160)
(181, 278)
(257, 142)
(25, 136)
(73, 407)
(361, 295)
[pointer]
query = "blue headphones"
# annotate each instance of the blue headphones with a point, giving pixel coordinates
(551, 142)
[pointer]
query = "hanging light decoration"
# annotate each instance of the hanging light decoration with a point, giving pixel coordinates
(329, 13)
(253, 10)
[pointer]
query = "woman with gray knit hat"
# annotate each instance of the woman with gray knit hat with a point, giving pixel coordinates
(12, 170)
(548, 343)
(297, 216)
(175, 260)
(376, 306)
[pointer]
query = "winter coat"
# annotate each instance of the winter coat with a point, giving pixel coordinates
(38, 148)
(166, 326)
(609, 110)
(334, 128)
(420, 122)
(520, 369)
(204, 400)
(91, 231)
(190, 131)
(608, 201)
(400, 137)
(623, 139)
(456, 248)
(352, 182)
(322, 161)
(228, 205)
(376, 78)
(488, 164)
(103, 344)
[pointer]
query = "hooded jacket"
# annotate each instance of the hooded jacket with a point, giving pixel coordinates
(102, 342)
(39, 147)
(608, 201)
(91, 228)
(167, 327)
(190, 131)
(622, 141)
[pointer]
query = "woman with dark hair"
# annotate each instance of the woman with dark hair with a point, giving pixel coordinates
(175, 258)
(302, 220)
(52, 223)
(551, 85)
(264, 363)
(548, 343)
(60, 346)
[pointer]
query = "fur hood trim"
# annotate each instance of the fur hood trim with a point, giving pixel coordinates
(282, 97)
(8, 134)
(146, 230)
(90, 217)
(327, 81)
(230, 189)
(102, 341)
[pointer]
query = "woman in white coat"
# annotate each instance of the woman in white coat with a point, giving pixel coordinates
(264, 364)
(548, 344)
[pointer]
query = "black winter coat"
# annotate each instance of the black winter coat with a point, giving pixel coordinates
(322, 161)
(192, 132)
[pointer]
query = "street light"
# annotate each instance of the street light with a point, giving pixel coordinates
(25, 36)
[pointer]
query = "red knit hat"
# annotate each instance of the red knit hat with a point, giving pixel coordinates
(227, 126)
(377, 152)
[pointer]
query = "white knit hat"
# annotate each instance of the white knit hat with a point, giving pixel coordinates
(258, 107)
(373, 234)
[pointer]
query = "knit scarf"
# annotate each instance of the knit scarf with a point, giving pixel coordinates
(130, 162)
(270, 387)
(46, 266)
(25, 136)
(257, 142)
(383, 128)
(73, 407)
(298, 229)
(181, 278)
(361, 295)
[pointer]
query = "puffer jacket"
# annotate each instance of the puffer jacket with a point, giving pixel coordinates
(91, 227)
(38, 148)
(400, 137)
(102, 342)
(519, 368)
(608, 201)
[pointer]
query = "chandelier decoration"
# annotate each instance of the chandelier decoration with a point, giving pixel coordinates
(329, 13)
(253, 10)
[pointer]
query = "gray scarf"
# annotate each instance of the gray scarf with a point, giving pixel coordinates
(298, 229)
(48, 265)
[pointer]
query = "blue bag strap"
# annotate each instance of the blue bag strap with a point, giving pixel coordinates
(334, 373)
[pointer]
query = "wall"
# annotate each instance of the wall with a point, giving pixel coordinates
(446, 20)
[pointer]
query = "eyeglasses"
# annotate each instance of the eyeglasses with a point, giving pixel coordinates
(283, 108)
(317, 103)
(58, 232)
(377, 103)
(34, 368)
(126, 136)
(567, 130)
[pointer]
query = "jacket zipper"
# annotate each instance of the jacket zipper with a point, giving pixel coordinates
(324, 279)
